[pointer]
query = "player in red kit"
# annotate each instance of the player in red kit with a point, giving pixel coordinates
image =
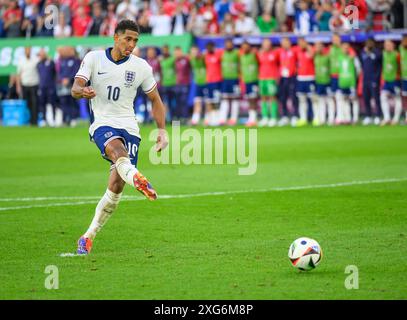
(213, 62)
(268, 75)
(305, 80)
(286, 86)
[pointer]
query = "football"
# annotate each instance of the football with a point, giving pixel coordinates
(305, 254)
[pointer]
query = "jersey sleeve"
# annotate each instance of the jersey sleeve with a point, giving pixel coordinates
(149, 82)
(85, 69)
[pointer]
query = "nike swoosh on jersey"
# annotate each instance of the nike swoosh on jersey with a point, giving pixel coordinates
(102, 72)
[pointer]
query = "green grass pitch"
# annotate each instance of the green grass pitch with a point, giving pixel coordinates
(226, 246)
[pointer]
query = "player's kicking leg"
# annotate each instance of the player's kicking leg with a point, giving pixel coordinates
(117, 153)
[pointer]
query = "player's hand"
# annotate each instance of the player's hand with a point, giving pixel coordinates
(162, 140)
(88, 93)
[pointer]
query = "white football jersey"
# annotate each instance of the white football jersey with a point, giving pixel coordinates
(115, 84)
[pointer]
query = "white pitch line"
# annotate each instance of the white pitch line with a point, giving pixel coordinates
(70, 254)
(205, 194)
(55, 198)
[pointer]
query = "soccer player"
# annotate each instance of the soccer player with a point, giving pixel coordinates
(47, 87)
(268, 75)
(286, 86)
(335, 51)
(199, 73)
(249, 70)
(306, 81)
(322, 82)
(230, 84)
(403, 64)
(115, 75)
(168, 80)
(213, 62)
(391, 87)
(183, 75)
(349, 69)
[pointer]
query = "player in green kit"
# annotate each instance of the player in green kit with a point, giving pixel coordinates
(169, 80)
(230, 84)
(349, 69)
(391, 87)
(249, 71)
(268, 74)
(323, 81)
(335, 51)
(403, 65)
(199, 71)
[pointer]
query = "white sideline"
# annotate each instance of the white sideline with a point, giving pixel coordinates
(95, 199)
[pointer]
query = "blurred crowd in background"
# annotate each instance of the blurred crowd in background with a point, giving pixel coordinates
(28, 18)
(288, 84)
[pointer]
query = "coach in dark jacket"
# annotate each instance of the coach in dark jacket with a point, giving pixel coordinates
(371, 59)
(47, 87)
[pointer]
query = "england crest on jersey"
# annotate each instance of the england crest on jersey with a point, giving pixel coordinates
(129, 77)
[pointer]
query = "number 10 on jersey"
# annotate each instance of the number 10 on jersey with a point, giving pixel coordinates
(113, 93)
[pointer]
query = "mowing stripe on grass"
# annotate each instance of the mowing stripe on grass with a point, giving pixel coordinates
(183, 196)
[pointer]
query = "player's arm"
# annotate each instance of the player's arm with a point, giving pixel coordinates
(158, 110)
(80, 90)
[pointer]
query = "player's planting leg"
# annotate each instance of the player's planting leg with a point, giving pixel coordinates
(104, 209)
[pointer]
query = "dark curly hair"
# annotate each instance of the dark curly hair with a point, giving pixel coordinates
(124, 25)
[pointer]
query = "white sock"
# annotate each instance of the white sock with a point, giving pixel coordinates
(355, 110)
(303, 108)
(322, 110)
(104, 210)
(126, 170)
(234, 114)
(385, 106)
(398, 109)
(224, 110)
(252, 115)
(331, 110)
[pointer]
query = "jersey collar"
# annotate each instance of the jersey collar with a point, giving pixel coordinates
(109, 56)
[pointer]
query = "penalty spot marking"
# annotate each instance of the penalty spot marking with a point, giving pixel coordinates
(191, 195)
